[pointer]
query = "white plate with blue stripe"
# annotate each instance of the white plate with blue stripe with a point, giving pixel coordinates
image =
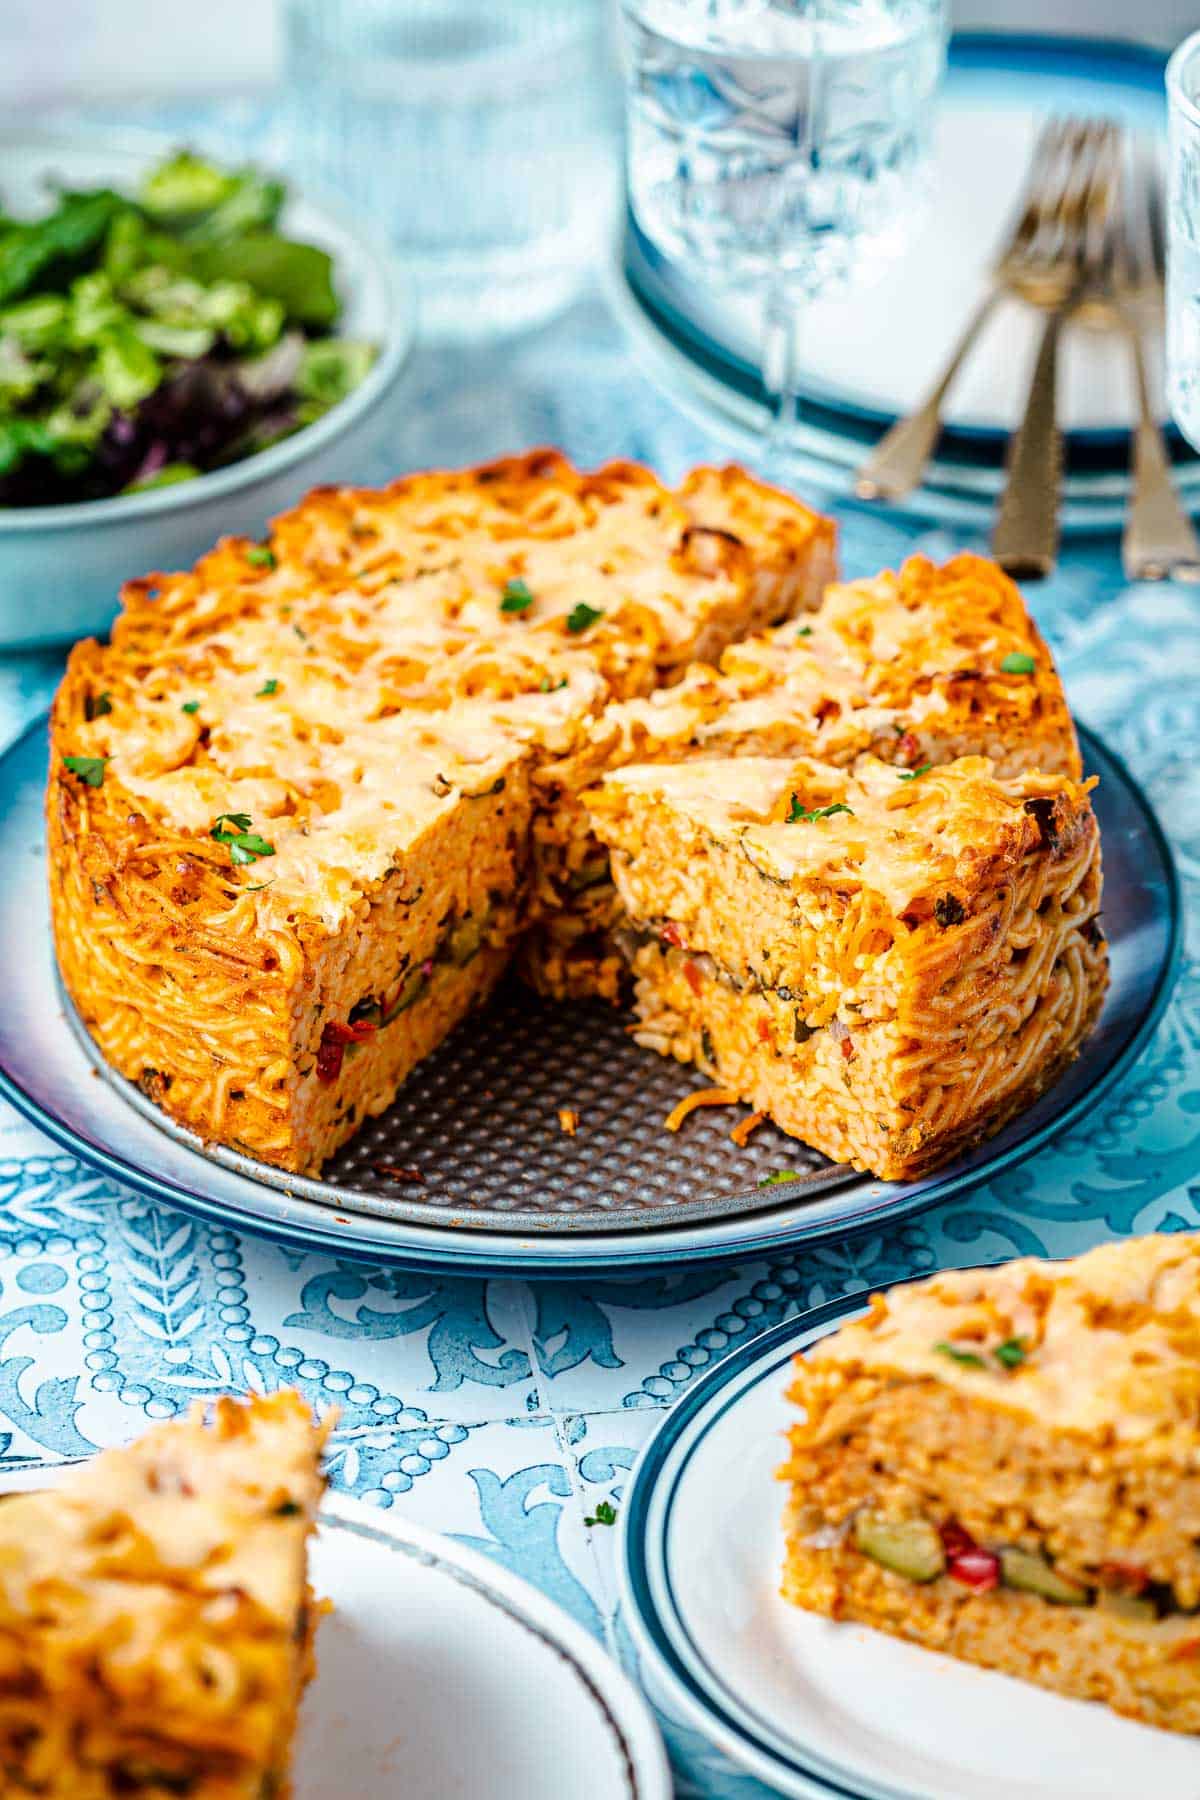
(439, 1673)
(824, 1711)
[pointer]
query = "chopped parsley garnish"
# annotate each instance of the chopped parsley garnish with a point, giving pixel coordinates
(190, 706)
(779, 1176)
(1018, 662)
(967, 1358)
(267, 689)
(90, 769)
(798, 816)
(911, 774)
(546, 686)
(302, 635)
(1011, 1353)
(583, 615)
(605, 1514)
(261, 556)
(245, 846)
(98, 706)
(804, 631)
(516, 597)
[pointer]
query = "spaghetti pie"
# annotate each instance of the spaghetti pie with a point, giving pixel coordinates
(319, 792)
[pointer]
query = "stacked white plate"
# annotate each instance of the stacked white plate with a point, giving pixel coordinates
(872, 354)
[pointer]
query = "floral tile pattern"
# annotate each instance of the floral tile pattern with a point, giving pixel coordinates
(506, 1413)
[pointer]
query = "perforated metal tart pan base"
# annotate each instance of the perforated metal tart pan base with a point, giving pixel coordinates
(476, 1129)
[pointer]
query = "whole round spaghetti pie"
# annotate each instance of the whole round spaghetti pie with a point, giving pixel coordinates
(319, 792)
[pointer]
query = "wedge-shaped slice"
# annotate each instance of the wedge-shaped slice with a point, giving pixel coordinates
(887, 963)
(155, 1624)
(1003, 1464)
(921, 665)
(918, 666)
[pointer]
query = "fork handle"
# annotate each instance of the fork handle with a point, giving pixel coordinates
(897, 463)
(1025, 537)
(1159, 538)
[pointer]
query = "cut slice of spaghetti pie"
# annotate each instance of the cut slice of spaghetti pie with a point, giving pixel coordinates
(916, 666)
(888, 963)
(1004, 1464)
(155, 1623)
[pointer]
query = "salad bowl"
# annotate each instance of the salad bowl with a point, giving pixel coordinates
(62, 565)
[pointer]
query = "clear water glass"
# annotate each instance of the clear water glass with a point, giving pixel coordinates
(783, 145)
(1183, 238)
(480, 135)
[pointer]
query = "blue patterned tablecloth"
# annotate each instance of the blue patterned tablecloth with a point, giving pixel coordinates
(502, 1411)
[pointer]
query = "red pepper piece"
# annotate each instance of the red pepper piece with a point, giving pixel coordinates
(332, 1047)
(976, 1569)
(692, 976)
(956, 1538)
(908, 748)
(967, 1562)
(1128, 1577)
(671, 934)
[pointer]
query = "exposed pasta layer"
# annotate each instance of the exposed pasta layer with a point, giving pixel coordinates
(1005, 1464)
(1144, 1668)
(888, 967)
(155, 1625)
(292, 806)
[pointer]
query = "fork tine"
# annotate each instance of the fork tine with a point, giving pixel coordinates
(1102, 201)
(1042, 178)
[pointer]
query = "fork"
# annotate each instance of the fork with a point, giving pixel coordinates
(1025, 536)
(1027, 264)
(1159, 539)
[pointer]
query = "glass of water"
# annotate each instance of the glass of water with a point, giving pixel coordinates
(782, 145)
(480, 135)
(1183, 238)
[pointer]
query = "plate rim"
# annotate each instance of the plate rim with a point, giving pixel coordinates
(640, 1542)
(625, 1710)
(455, 1248)
(977, 445)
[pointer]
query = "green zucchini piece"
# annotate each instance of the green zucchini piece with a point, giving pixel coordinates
(1033, 1574)
(910, 1547)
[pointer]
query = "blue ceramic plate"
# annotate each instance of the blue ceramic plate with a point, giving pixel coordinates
(824, 1711)
(104, 542)
(52, 1078)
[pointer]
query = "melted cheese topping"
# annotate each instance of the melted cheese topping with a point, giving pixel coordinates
(1111, 1338)
(902, 839)
(396, 650)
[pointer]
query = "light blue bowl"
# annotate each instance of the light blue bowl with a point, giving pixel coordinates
(61, 567)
